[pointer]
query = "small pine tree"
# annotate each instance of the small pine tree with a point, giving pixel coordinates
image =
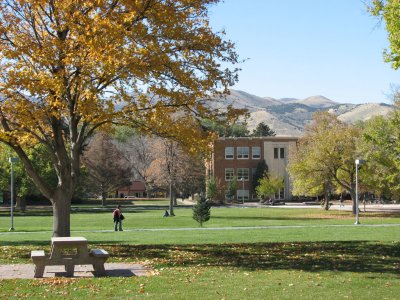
(201, 211)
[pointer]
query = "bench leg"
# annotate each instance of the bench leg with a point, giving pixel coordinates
(39, 270)
(70, 270)
(99, 269)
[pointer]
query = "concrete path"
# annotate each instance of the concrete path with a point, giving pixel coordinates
(26, 271)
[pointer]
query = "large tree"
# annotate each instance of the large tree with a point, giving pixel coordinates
(71, 67)
(325, 158)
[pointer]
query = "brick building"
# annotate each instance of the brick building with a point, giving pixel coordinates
(238, 157)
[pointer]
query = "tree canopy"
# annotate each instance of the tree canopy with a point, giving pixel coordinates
(325, 158)
(71, 67)
(263, 129)
(380, 147)
(389, 11)
(269, 185)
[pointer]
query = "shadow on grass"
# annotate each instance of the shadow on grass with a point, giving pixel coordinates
(346, 256)
(354, 256)
(265, 218)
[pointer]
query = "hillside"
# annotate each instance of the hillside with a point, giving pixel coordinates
(288, 116)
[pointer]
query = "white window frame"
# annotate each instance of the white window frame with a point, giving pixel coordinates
(229, 154)
(280, 195)
(227, 197)
(278, 153)
(241, 154)
(240, 194)
(282, 151)
(243, 175)
(255, 156)
(233, 174)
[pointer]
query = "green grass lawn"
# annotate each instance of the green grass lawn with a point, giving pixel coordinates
(239, 254)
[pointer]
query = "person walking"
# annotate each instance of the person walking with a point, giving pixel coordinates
(118, 217)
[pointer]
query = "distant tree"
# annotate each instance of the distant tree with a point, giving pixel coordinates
(106, 165)
(225, 128)
(325, 158)
(232, 188)
(212, 188)
(238, 129)
(261, 169)
(24, 187)
(380, 147)
(138, 150)
(175, 169)
(263, 129)
(269, 185)
(201, 211)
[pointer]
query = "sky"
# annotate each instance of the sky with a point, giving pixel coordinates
(303, 48)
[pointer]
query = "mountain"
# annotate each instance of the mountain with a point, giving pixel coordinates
(240, 99)
(288, 116)
(317, 102)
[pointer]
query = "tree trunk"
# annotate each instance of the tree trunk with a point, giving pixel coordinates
(21, 204)
(61, 215)
(327, 201)
(171, 201)
(353, 198)
(174, 199)
(103, 198)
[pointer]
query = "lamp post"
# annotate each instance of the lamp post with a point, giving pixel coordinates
(242, 179)
(12, 160)
(358, 162)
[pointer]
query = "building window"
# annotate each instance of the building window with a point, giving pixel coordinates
(242, 152)
(227, 196)
(229, 152)
(256, 152)
(229, 174)
(243, 173)
(280, 194)
(279, 153)
(243, 195)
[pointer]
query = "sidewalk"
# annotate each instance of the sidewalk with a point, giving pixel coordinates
(26, 271)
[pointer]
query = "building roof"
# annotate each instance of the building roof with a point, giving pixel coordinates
(264, 138)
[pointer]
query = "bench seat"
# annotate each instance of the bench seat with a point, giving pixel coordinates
(99, 253)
